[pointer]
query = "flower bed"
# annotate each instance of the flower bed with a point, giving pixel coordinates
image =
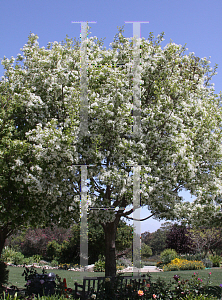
(183, 264)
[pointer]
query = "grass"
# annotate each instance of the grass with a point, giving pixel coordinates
(16, 278)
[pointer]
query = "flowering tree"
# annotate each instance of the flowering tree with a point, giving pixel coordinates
(178, 146)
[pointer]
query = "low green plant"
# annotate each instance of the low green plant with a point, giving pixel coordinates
(9, 297)
(200, 297)
(32, 259)
(99, 266)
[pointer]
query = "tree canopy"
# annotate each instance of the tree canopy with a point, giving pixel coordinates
(179, 145)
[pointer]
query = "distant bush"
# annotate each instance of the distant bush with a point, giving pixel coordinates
(33, 241)
(196, 256)
(167, 255)
(183, 264)
(146, 251)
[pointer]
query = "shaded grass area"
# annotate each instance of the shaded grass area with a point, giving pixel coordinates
(16, 278)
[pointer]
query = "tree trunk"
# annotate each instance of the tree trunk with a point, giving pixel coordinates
(3, 237)
(110, 245)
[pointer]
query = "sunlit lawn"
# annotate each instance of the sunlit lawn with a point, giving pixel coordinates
(16, 278)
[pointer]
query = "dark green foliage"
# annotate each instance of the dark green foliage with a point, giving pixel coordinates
(178, 238)
(3, 275)
(63, 245)
(146, 251)
(53, 250)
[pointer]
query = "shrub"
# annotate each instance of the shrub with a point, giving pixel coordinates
(146, 251)
(99, 266)
(207, 262)
(167, 255)
(54, 263)
(11, 256)
(216, 259)
(122, 261)
(53, 250)
(3, 275)
(35, 242)
(70, 251)
(183, 264)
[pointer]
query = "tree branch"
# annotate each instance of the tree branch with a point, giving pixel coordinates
(140, 219)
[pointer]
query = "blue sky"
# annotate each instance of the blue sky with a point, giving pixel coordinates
(197, 23)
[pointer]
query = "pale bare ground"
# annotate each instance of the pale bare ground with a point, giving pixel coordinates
(145, 269)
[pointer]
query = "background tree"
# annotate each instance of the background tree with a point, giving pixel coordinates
(178, 238)
(146, 251)
(177, 146)
(206, 239)
(157, 239)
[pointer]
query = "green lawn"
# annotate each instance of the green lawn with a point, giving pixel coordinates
(16, 278)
